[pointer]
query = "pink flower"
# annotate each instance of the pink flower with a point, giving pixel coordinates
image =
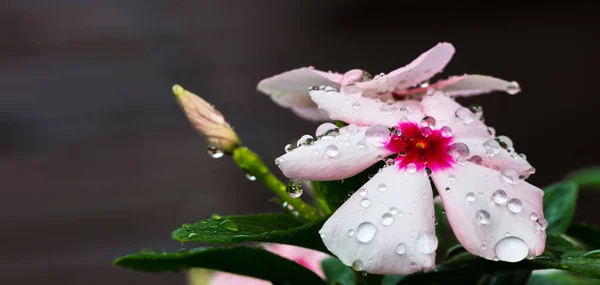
(308, 258)
(388, 226)
(290, 89)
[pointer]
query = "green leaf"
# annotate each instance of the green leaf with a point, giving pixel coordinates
(558, 277)
(330, 195)
(255, 262)
(587, 177)
(559, 206)
(587, 235)
(275, 228)
(338, 273)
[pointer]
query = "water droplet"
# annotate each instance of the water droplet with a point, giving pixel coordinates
(365, 203)
(278, 161)
(216, 216)
(427, 122)
(451, 177)
(476, 110)
(356, 105)
(382, 187)
(464, 115)
(332, 151)
(510, 176)
(377, 135)
(357, 265)
(534, 216)
(288, 148)
(505, 142)
(250, 177)
(515, 205)
(428, 172)
(470, 197)
(214, 152)
(387, 219)
(401, 249)
(483, 246)
(446, 131)
(326, 129)
(492, 147)
(513, 88)
(458, 151)
(390, 162)
(393, 211)
(426, 131)
(365, 232)
(491, 131)
(427, 242)
(230, 225)
(387, 109)
(448, 189)
(305, 140)
(542, 224)
(476, 159)
(294, 188)
(411, 168)
(351, 233)
(483, 217)
(499, 197)
(511, 249)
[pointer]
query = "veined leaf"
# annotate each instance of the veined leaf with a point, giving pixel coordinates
(559, 206)
(338, 273)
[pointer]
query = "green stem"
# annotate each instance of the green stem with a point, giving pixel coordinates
(251, 163)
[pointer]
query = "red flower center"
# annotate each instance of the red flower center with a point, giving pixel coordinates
(420, 148)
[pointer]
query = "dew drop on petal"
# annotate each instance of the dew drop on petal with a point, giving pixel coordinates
(377, 135)
(393, 211)
(362, 192)
(427, 242)
(357, 265)
(458, 151)
(464, 115)
(510, 176)
(534, 216)
(401, 249)
(288, 148)
(492, 147)
(511, 249)
(451, 177)
(365, 202)
(361, 144)
(491, 131)
(427, 122)
(365, 232)
(382, 187)
(499, 197)
(476, 159)
(470, 197)
(476, 110)
(483, 217)
(515, 205)
(332, 151)
(505, 142)
(411, 168)
(278, 161)
(387, 109)
(387, 219)
(294, 189)
(446, 131)
(513, 88)
(305, 140)
(542, 224)
(428, 172)
(214, 152)
(390, 162)
(356, 105)
(326, 129)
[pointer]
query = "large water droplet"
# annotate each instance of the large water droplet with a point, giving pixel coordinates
(294, 188)
(214, 152)
(377, 135)
(542, 224)
(382, 187)
(365, 202)
(362, 192)
(534, 216)
(427, 122)
(483, 217)
(464, 115)
(510, 176)
(499, 197)
(446, 131)
(470, 197)
(458, 151)
(387, 219)
(427, 242)
(326, 129)
(411, 168)
(305, 140)
(511, 249)
(505, 142)
(365, 232)
(332, 151)
(357, 265)
(492, 147)
(288, 147)
(515, 205)
(230, 225)
(401, 249)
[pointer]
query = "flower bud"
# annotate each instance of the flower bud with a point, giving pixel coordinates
(207, 120)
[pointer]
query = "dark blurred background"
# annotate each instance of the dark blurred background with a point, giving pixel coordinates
(97, 160)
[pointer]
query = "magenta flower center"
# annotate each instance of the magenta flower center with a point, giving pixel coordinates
(419, 148)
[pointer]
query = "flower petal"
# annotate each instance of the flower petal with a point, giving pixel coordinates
(467, 85)
(424, 67)
(492, 217)
(308, 258)
(332, 158)
(387, 226)
(447, 112)
(311, 113)
(364, 111)
(290, 89)
(225, 278)
(496, 157)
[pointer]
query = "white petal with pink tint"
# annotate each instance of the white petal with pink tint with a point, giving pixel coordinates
(467, 85)
(424, 67)
(496, 157)
(290, 89)
(447, 112)
(491, 215)
(387, 226)
(311, 113)
(364, 111)
(332, 158)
